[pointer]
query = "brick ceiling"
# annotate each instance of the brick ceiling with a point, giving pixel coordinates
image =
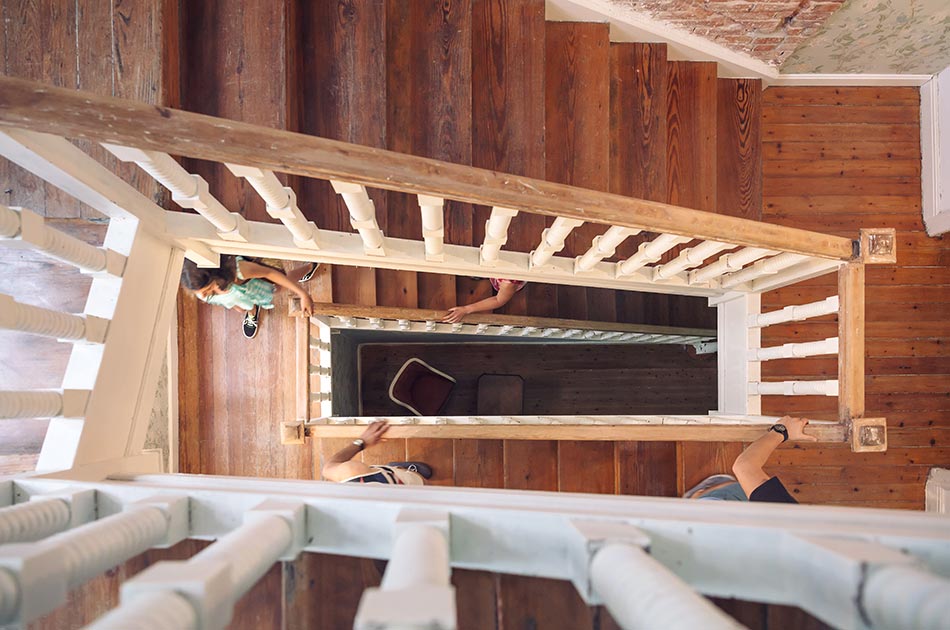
(769, 30)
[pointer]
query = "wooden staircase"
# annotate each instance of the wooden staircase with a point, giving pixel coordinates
(491, 84)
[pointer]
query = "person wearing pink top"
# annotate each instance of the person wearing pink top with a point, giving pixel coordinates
(504, 290)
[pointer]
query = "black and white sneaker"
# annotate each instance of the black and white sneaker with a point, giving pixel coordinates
(251, 322)
(417, 467)
(309, 275)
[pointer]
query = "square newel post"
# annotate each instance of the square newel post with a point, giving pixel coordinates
(735, 340)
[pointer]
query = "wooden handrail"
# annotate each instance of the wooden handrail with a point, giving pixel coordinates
(76, 114)
(424, 315)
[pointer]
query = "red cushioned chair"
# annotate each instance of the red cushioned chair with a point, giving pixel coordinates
(420, 388)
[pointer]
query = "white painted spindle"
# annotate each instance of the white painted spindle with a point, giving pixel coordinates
(762, 268)
(281, 204)
(728, 263)
(431, 326)
(689, 258)
(796, 313)
(795, 350)
(795, 388)
(9, 222)
(59, 246)
(496, 234)
(403, 324)
(603, 246)
(905, 597)
(188, 191)
(30, 404)
(375, 323)
(415, 591)
(362, 215)
(804, 270)
(45, 322)
(640, 592)
(527, 331)
(162, 610)
(650, 252)
(34, 520)
(481, 329)
(433, 228)
(71, 558)
(552, 240)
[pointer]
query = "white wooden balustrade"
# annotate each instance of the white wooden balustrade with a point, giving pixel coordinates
(689, 258)
(30, 228)
(646, 559)
(552, 240)
(796, 313)
(362, 216)
(765, 267)
(795, 388)
(728, 263)
(603, 246)
(188, 191)
(37, 320)
(650, 252)
(496, 234)
(433, 229)
(281, 203)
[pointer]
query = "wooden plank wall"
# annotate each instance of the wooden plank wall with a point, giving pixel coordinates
(836, 160)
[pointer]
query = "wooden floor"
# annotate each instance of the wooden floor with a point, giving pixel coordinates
(559, 379)
(491, 84)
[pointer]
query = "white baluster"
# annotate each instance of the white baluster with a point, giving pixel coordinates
(527, 331)
(796, 313)
(795, 350)
(31, 228)
(689, 258)
(552, 240)
(30, 404)
(640, 592)
(728, 263)
(431, 326)
(362, 215)
(188, 191)
(762, 268)
(403, 324)
(505, 330)
(319, 370)
(346, 322)
(164, 610)
(457, 327)
(375, 323)
(650, 252)
(281, 204)
(415, 591)
(547, 332)
(220, 574)
(320, 396)
(41, 321)
(9, 222)
(35, 520)
(496, 234)
(804, 270)
(433, 228)
(76, 556)
(795, 388)
(603, 246)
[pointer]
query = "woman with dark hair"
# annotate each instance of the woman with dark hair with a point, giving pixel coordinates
(243, 284)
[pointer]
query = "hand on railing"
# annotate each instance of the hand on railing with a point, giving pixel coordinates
(456, 314)
(796, 429)
(374, 433)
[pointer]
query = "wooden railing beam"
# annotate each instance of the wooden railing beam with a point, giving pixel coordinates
(76, 114)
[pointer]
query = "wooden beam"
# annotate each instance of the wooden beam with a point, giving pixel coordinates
(851, 342)
(424, 315)
(302, 373)
(830, 432)
(75, 114)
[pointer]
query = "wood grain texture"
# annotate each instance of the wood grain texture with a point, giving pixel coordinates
(845, 185)
(65, 112)
(508, 102)
(691, 132)
(738, 158)
(577, 117)
(647, 468)
(587, 467)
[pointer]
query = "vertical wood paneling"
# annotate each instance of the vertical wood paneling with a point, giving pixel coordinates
(691, 133)
(820, 144)
(739, 159)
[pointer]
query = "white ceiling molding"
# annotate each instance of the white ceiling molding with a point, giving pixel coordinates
(935, 153)
(851, 80)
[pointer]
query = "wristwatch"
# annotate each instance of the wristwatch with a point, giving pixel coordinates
(781, 430)
(359, 443)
